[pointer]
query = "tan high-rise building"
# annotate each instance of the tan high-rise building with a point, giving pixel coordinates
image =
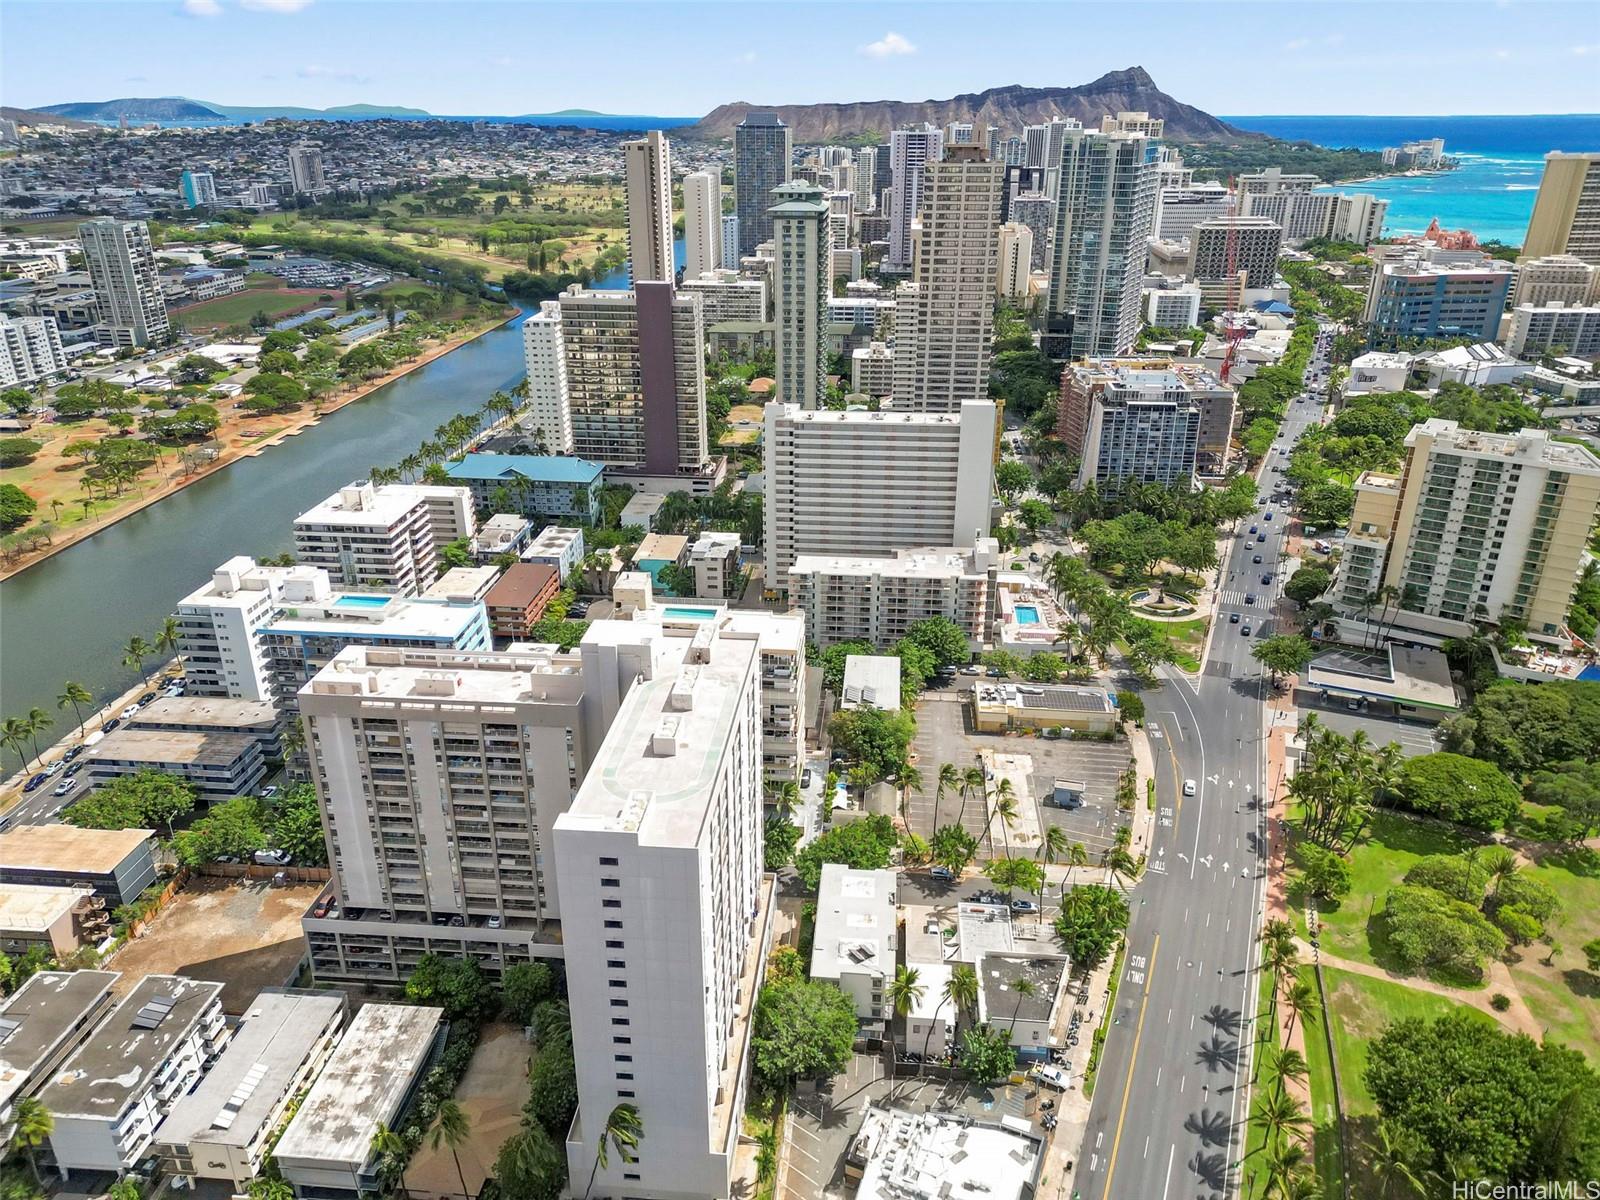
(647, 163)
(1556, 279)
(943, 320)
(702, 223)
(1566, 215)
(1477, 527)
(1016, 253)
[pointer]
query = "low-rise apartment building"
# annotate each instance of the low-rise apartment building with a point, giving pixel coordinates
(519, 597)
(218, 766)
(1554, 328)
(857, 933)
(222, 1129)
(109, 1097)
(45, 1020)
(558, 546)
(540, 487)
(117, 863)
(714, 559)
(58, 920)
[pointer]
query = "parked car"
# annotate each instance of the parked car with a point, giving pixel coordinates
(114, 723)
(494, 921)
(37, 782)
(130, 711)
(944, 873)
(146, 698)
(274, 858)
(805, 778)
(1024, 906)
(1268, 517)
(72, 754)
(321, 910)
(1034, 557)
(1253, 528)
(267, 793)
(55, 769)
(972, 670)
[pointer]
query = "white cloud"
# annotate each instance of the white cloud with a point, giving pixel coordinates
(1297, 44)
(314, 71)
(202, 8)
(1502, 55)
(1582, 50)
(888, 46)
(274, 6)
(749, 56)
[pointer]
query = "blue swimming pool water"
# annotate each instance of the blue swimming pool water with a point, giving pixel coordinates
(361, 601)
(674, 612)
(1027, 614)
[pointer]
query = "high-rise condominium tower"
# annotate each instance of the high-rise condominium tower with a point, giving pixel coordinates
(647, 163)
(549, 414)
(762, 159)
(910, 150)
(1566, 214)
(199, 189)
(122, 264)
(305, 169)
(944, 317)
(801, 281)
(1103, 218)
(702, 224)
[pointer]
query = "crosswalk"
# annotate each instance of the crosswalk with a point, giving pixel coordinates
(1229, 598)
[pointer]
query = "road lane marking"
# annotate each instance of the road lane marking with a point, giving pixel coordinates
(1168, 1185)
(1133, 1062)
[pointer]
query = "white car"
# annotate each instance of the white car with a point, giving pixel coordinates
(274, 858)
(1189, 787)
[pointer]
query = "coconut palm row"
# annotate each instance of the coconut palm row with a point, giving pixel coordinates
(1288, 1173)
(21, 734)
(450, 439)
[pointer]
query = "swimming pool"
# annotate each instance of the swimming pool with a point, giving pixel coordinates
(361, 601)
(674, 612)
(1027, 614)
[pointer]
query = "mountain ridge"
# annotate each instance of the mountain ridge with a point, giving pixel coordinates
(1010, 107)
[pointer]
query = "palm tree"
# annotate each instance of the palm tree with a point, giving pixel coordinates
(949, 777)
(1005, 807)
(1391, 1155)
(14, 736)
(1301, 1001)
(623, 1131)
(1288, 1063)
(38, 721)
(134, 654)
(31, 1128)
(1284, 1163)
(963, 988)
(1054, 847)
(451, 1128)
(1003, 791)
(167, 639)
(1023, 988)
(1077, 855)
(972, 780)
(1278, 1114)
(74, 694)
(785, 797)
(907, 779)
(905, 990)
(387, 1145)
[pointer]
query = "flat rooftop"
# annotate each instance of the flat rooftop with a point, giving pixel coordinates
(33, 908)
(128, 1047)
(363, 1083)
(381, 675)
(920, 1156)
(934, 563)
(871, 681)
(378, 507)
(42, 1012)
(554, 539)
(982, 929)
(462, 583)
(1418, 677)
(355, 615)
(856, 923)
(657, 766)
(247, 1084)
(68, 848)
(999, 975)
(1530, 445)
(521, 584)
(175, 746)
(667, 546)
(217, 712)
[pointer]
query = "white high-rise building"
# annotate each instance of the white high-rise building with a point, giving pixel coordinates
(198, 188)
(1273, 180)
(1016, 254)
(944, 318)
(910, 150)
(702, 223)
(1180, 209)
(1557, 279)
(1545, 328)
(1056, 134)
(666, 923)
(122, 264)
(801, 287)
(866, 172)
(727, 296)
(878, 598)
(548, 415)
(841, 216)
(384, 537)
(1105, 213)
(30, 350)
(730, 240)
(647, 165)
(305, 169)
(219, 623)
(853, 483)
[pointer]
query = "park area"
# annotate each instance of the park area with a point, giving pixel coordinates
(263, 296)
(243, 934)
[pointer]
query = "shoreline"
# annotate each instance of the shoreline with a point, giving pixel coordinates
(297, 425)
(1409, 173)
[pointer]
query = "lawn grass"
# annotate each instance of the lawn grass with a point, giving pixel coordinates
(1098, 1044)
(1255, 1136)
(238, 308)
(1563, 996)
(1324, 1111)
(1394, 841)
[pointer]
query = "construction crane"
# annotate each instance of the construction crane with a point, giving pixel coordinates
(1236, 329)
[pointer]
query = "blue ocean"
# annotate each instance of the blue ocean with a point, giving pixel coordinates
(1491, 193)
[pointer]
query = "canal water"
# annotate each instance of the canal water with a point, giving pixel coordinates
(69, 616)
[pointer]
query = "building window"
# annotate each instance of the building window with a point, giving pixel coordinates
(622, 1058)
(619, 1040)
(621, 1021)
(613, 943)
(616, 964)
(626, 1076)
(618, 1002)
(608, 862)
(614, 925)
(611, 903)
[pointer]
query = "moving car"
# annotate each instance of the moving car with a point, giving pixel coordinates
(1268, 517)
(1249, 597)
(1267, 577)
(1189, 787)
(66, 785)
(1256, 558)
(1261, 537)
(1233, 618)
(1245, 632)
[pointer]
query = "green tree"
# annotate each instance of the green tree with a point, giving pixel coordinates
(866, 845)
(16, 507)
(779, 838)
(987, 1053)
(1011, 479)
(1591, 954)
(942, 638)
(553, 1087)
(1283, 654)
(1459, 876)
(1429, 930)
(31, 1126)
(953, 847)
(905, 990)
(525, 986)
(530, 1166)
(1326, 874)
(1476, 794)
(1463, 1088)
(74, 694)
(297, 826)
(18, 451)
(391, 1151)
(146, 800)
(1574, 788)
(1091, 920)
(802, 1030)
(622, 1132)
(874, 738)
(1306, 584)
(1523, 728)
(235, 828)
(456, 985)
(134, 654)
(1015, 874)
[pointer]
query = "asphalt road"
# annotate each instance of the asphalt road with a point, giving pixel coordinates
(1171, 1098)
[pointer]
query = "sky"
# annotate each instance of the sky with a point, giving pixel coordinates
(662, 58)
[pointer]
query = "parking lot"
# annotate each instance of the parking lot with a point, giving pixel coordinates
(242, 934)
(944, 735)
(822, 1123)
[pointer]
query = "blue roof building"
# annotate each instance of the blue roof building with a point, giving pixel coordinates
(535, 485)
